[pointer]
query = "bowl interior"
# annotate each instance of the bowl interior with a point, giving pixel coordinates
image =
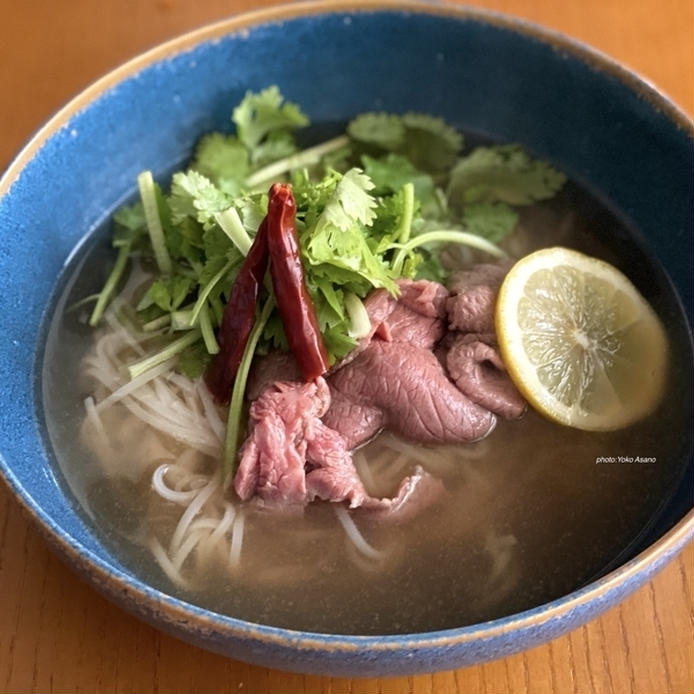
(608, 132)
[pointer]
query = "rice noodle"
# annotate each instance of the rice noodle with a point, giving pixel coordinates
(354, 535)
(428, 457)
(165, 563)
(193, 509)
(236, 540)
(187, 546)
(213, 418)
(176, 430)
(136, 383)
(184, 411)
(95, 421)
(363, 563)
(224, 524)
(160, 487)
(363, 470)
(216, 538)
(122, 332)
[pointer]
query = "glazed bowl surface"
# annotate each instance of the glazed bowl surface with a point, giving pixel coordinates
(488, 74)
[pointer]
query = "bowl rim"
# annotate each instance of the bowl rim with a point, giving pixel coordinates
(177, 612)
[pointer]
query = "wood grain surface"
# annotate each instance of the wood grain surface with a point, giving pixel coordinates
(58, 635)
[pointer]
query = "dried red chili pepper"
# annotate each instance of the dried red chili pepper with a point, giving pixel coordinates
(293, 302)
(238, 318)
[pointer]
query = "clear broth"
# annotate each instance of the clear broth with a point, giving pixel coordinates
(530, 514)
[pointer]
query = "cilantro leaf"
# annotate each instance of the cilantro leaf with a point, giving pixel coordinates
(338, 342)
(389, 215)
(390, 173)
(193, 360)
(169, 294)
(251, 209)
(350, 202)
(339, 238)
(382, 130)
(194, 195)
(217, 244)
(491, 220)
(278, 145)
(505, 173)
(430, 143)
(264, 112)
(129, 225)
(429, 268)
(184, 241)
(273, 334)
(223, 160)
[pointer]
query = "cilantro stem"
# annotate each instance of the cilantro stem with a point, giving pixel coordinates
(405, 228)
(172, 349)
(157, 323)
(180, 320)
(307, 157)
(110, 284)
(231, 441)
(359, 321)
(206, 290)
(217, 309)
(145, 183)
(233, 227)
(443, 236)
(208, 331)
(82, 302)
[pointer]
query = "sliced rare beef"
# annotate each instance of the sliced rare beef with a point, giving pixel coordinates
(415, 316)
(409, 374)
(378, 304)
(268, 369)
(417, 492)
(470, 306)
(478, 372)
(410, 387)
(359, 422)
(273, 456)
(292, 457)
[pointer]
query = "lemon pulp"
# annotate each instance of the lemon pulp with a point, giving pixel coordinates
(579, 341)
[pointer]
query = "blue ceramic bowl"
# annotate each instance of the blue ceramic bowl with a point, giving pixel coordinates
(603, 125)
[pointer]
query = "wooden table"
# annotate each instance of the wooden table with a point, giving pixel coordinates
(58, 635)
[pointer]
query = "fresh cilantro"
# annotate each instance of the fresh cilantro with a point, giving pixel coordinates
(430, 143)
(339, 237)
(128, 222)
(426, 141)
(338, 343)
(350, 203)
(194, 195)
(429, 268)
(273, 335)
(251, 210)
(184, 241)
(223, 160)
(390, 173)
(278, 145)
(491, 220)
(193, 360)
(382, 130)
(414, 198)
(169, 294)
(505, 173)
(263, 113)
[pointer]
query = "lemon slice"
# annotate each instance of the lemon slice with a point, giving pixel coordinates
(579, 341)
